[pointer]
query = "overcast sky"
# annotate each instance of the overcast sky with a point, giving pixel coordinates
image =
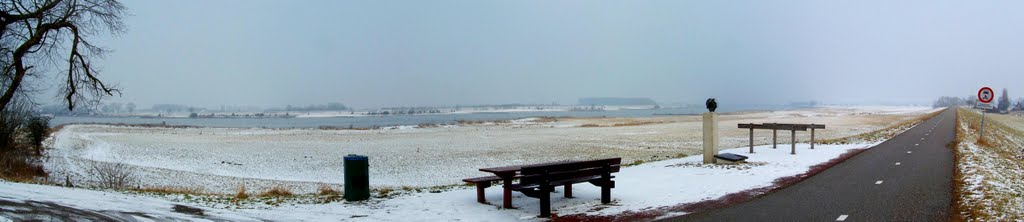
(390, 53)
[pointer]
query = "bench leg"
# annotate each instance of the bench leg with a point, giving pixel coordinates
(568, 190)
(507, 195)
(480, 192)
(545, 203)
(606, 194)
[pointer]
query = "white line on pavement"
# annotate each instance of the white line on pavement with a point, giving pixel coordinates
(842, 217)
(897, 163)
(878, 182)
(910, 151)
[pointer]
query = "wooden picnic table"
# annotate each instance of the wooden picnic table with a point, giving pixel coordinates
(509, 173)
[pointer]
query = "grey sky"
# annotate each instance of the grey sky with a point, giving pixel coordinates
(384, 53)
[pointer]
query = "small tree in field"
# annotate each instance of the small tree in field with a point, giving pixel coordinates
(1004, 101)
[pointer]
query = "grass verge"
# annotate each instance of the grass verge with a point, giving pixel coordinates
(988, 180)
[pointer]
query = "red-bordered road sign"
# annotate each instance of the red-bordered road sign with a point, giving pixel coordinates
(986, 95)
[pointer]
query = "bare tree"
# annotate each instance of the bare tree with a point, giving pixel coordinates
(41, 35)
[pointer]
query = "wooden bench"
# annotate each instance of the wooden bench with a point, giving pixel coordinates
(538, 181)
(481, 184)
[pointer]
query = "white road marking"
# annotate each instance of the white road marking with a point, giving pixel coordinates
(926, 134)
(878, 182)
(922, 138)
(897, 163)
(910, 151)
(842, 217)
(917, 144)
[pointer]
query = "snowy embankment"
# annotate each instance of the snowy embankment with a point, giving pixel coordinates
(990, 173)
(643, 187)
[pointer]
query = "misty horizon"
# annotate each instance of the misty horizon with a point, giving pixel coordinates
(375, 54)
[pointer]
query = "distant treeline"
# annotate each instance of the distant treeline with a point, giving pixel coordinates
(1002, 102)
(311, 108)
(614, 101)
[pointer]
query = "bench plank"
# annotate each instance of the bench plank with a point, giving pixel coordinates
(482, 179)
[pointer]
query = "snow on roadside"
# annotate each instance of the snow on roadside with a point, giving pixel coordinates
(686, 180)
(107, 201)
(990, 174)
(641, 187)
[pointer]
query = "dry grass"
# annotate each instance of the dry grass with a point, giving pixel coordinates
(327, 190)
(636, 123)
(277, 191)
(427, 125)
(241, 194)
(989, 172)
(958, 175)
(545, 119)
(385, 192)
(621, 124)
(21, 165)
(469, 122)
(882, 134)
(173, 190)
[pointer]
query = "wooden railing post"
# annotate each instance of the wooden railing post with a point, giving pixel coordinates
(775, 134)
(793, 142)
(812, 136)
(751, 139)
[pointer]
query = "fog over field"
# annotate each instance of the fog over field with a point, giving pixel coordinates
(378, 54)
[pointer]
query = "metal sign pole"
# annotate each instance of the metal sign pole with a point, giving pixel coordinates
(982, 136)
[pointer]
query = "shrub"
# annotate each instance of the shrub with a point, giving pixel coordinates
(12, 119)
(114, 175)
(241, 192)
(38, 128)
(19, 165)
(327, 190)
(277, 191)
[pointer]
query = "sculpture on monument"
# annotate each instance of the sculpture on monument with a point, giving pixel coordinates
(710, 131)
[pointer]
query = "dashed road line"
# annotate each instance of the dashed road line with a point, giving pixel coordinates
(897, 163)
(842, 217)
(910, 151)
(878, 182)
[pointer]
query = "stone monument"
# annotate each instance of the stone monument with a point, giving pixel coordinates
(710, 131)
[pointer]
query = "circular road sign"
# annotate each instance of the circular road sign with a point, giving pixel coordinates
(985, 95)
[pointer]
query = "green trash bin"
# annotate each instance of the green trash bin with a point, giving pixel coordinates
(357, 177)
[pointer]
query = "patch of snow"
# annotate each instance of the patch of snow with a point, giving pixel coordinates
(646, 186)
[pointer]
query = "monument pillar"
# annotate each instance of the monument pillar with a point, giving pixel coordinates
(710, 137)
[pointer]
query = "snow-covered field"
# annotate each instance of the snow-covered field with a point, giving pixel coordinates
(643, 187)
(991, 173)
(219, 160)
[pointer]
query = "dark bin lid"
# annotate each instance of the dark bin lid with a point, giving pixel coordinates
(356, 157)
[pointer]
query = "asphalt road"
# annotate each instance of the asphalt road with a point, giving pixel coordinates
(908, 178)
